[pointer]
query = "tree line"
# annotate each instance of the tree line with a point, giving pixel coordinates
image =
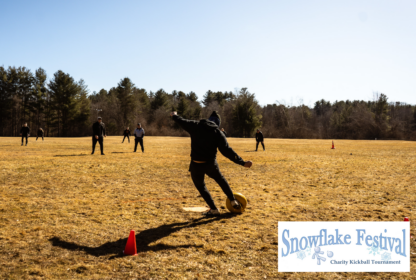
(64, 107)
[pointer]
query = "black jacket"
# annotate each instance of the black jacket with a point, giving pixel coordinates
(206, 137)
(259, 137)
(98, 129)
(126, 132)
(225, 133)
(25, 130)
(40, 132)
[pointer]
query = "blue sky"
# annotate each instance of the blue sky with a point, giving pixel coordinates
(285, 51)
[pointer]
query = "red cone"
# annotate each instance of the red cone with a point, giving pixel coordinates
(333, 146)
(131, 248)
(406, 219)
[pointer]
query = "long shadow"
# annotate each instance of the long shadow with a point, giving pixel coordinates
(250, 151)
(83, 155)
(143, 239)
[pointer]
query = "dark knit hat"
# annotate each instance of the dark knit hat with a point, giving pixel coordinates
(215, 118)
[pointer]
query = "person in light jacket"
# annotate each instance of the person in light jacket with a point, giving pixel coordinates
(138, 137)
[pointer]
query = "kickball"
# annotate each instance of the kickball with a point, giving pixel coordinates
(243, 201)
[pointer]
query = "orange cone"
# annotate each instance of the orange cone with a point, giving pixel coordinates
(333, 146)
(131, 248)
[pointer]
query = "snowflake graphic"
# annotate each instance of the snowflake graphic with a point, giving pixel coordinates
(308, 250)
(385, 256)
(373, 250)
(301, 255)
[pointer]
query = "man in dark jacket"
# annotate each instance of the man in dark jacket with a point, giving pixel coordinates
(98, 129)
(206, 137)
(40, 134)
(25, 132)
(259, 138)
(138, 137)
(126, 133)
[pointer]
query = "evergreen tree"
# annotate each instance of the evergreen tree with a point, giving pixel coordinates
(245, 117)
(160, 100)
(183, 107)
(64, 91)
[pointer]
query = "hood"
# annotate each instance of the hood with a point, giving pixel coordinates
(208, 124)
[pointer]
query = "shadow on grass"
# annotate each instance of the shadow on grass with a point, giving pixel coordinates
(143, 239)
(82, 155)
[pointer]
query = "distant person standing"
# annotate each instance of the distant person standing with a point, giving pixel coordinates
(25, 132)
(127, 134)
(259, 138)
(223, 131)
(98, 129)
(40, 134)
(138, 134)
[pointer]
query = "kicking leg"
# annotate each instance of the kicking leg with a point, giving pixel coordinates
(257, 145)
(198, 175)
(263, 146)
(215, 173)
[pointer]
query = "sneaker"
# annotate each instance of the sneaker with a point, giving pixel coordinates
(102, 154)
(211, 213)
(236, 205)
(92, 153)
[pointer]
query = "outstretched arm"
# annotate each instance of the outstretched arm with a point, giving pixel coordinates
(187, 125)
(229, 153)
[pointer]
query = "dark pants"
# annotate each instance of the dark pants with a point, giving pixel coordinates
(23, 137)
(100, 140)
(257, 145)
(128, 137)
(136, 141)
(38, 137)
(198, 171)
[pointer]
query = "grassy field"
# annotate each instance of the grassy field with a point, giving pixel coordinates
(67, 214)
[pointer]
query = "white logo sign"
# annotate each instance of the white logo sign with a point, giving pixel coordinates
(344, 246)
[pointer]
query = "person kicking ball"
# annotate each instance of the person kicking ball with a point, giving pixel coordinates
(206, 138)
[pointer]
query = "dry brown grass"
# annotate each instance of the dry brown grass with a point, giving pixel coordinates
(67, 214)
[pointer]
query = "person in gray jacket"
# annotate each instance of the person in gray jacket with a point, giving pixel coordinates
(138, 137)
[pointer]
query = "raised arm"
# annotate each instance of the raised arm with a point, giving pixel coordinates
(187, 125)
(229, 153)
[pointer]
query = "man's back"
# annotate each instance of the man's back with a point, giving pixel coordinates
(206, 137)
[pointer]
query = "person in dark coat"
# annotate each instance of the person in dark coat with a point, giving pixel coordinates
(206, 138)
(259, 139)
(138, 137)
(223, 131)
(40, 134)
(98, 129)
(25, 132)
(126, 133)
